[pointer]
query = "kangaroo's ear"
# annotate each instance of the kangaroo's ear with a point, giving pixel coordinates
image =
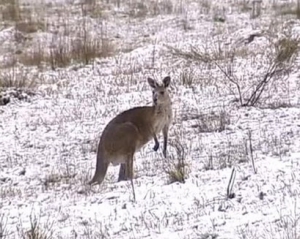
(152, 83)
(166, 81)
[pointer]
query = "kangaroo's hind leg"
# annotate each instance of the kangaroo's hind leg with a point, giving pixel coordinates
(132, 141)
(129, 169)
(122, 173)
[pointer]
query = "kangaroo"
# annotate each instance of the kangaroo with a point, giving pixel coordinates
(130, 130)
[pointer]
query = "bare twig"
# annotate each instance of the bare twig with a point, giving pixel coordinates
(251, 151)
(230, 194)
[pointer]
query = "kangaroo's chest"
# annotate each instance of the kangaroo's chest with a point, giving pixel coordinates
(163, 118)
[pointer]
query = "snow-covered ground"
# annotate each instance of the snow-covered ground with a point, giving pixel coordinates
(48, 140)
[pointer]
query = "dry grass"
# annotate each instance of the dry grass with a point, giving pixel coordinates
(10, 10)
(176, 167)
(212, 122)
(10, 192)
(54, 179)
(29, 26)
(287, 8)
(281, 61)
(67, 47)
(18, 78)
(142, 9)
(65, 51)
(92, 8)
(37, 230)
(207, 122)
(23, 17)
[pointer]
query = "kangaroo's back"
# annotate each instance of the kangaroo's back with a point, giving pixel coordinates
(133, 126)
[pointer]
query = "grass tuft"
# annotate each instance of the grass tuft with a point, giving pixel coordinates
(176, 167)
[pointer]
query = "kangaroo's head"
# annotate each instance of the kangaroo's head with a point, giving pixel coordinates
(160, 92)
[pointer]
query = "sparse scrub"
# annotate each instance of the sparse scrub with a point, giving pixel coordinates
(188, 77)
(36, 230)
(142, 9)
(256, 8)
(208, 165)
(185, 22)
(91, 233)
(244, 6)
(83, 48)
(205, 6)
(138, 10)
(208, 236)
(23, 17)
(219, 15)
(227, 155)
(247, 232)
(66, 48)
(289, 9)
(275, 144)
(59, 55)
(10, 192)
(92, 8)
(35, 57)
(211, 122)
(278, 105)
(54, 179)
(18, 78)
(161, 7)
(10, 10)
(286, 225)
(281, 58)
(29, 26)
(166, 7)
(87, 47)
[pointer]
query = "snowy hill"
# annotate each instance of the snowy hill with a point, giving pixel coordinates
(62, 96)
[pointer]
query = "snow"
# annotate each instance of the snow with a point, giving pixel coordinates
(48, 142)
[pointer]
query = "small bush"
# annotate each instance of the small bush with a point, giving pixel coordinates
(139, 10)
(86, 49)
(10, 10)
(176, 167)
(188, 77)
(18, 78)
(64, 52)
(281, 61)
(23, 17)
(92, 8)
(10, 192)
(290, 11)
(29, 26)
(53, 179)
(35, 57)
(212, 122)
(36, 230)
(287, 8)
(286, 48)
(177, 174)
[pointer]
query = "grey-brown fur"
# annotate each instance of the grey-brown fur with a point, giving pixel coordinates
(130, 130)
